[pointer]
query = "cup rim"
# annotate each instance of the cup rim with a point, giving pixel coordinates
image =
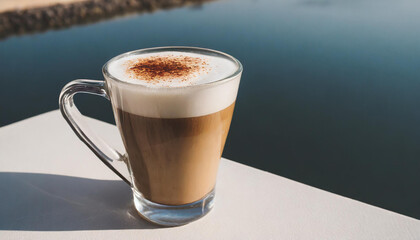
(235, 74)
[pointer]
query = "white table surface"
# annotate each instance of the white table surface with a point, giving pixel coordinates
(53, 187)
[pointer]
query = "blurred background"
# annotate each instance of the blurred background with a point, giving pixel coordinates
(329, 97)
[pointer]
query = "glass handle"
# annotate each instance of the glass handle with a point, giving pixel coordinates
(74, 118)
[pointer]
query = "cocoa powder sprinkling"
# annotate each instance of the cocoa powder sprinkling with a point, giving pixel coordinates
(155, 69)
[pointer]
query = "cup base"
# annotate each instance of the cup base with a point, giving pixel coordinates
(170, 215)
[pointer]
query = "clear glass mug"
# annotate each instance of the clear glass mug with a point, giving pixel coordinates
(172, 161)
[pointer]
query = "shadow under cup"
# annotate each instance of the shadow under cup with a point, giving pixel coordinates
(173, 136)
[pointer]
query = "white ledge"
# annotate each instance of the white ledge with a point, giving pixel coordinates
(53, 187)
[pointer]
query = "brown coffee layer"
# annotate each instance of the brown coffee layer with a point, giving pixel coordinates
(174, 161)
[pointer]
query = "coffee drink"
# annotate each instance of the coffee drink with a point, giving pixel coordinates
(173, 110)
(173, 107)
(174, 160)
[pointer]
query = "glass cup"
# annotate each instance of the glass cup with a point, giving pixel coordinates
(173, 137)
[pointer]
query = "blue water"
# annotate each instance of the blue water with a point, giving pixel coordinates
(330, 93)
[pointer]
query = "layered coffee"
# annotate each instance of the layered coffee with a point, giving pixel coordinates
(173, 110)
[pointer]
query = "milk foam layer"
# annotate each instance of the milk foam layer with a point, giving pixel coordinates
(212, 68)
(179, 98)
